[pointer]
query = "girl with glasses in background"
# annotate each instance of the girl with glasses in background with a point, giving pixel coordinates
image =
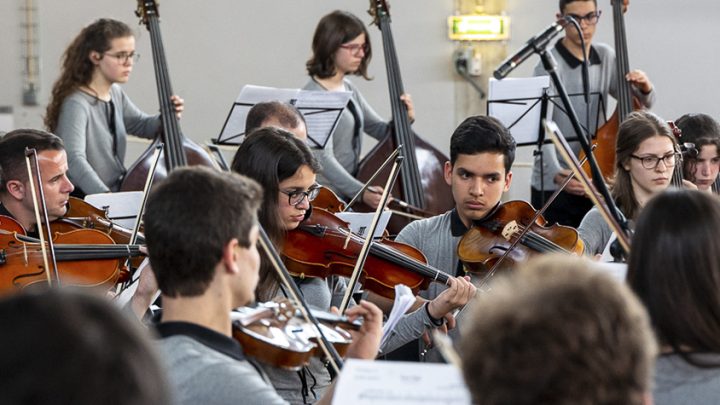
(90, 111)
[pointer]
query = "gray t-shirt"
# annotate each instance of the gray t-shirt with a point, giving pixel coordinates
(341, 155)
(95, 155)
(678, 382)
(208, 368)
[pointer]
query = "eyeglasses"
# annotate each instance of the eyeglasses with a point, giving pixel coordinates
(591, 18)
(295, 197)
(124, 57)
(652, 162)
(355, 48)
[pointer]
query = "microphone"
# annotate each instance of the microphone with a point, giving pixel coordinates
(535, 44)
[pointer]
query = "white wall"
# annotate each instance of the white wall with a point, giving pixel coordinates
(216, 47)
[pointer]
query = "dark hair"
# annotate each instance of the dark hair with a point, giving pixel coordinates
(557, 331)
(12, 152)
(674, 269)
(637, 127)
(563, 3)
(269, 156)
(64, 347)
(480, 134)
(77, 69)
(286, 114)
(332, 31)
(189, 219)
(701, 130)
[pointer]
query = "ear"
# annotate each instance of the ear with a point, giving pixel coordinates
(229, 257)
(447, 172)
(16, 189)
(508, 180)
(95, 57)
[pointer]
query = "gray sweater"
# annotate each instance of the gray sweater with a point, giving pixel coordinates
(95, 156)
(678, 382)
(603, 79)
(341, 155)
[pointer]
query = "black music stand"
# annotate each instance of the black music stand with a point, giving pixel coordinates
(527, 111)
(321, 110)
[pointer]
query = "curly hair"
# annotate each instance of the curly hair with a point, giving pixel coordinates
(77, 69)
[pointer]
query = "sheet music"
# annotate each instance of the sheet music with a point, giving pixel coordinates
(361, 221)
(399, 382)
(516, 103)
(321, 110)
(404, 299)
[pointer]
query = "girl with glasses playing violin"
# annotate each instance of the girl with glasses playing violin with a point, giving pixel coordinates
(90, 111)
(646, 156)
(286, 169)
(341, 48)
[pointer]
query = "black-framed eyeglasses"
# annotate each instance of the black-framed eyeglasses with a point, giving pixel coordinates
(652, 162)
(124, 57)
(591, 18)
(295, 197)
(355, 48)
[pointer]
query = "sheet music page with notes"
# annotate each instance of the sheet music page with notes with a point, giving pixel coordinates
(399, 382)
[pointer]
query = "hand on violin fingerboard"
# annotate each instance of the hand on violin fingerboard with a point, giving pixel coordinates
(459, 293)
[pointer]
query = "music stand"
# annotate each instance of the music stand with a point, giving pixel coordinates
(522, 103)
(321, 110)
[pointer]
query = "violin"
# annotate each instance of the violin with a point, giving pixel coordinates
(488, 240)
(329, 201)
(274, 333)
(323, 245)
(86, 258)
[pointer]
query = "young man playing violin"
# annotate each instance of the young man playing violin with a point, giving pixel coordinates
(206, 265)
(15, 198)
(571, 204)
(481, 154)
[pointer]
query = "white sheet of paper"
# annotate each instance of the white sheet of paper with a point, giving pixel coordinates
(360, 222)
(617, 270)
(399, 382)
(510, 98)
(404, 299)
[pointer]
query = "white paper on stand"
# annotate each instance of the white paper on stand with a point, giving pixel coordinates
(360, 222)
(398, 383)
(515, 103)
(404, 299)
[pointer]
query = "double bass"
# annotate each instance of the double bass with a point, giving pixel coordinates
(179, 151)
(421, 182)
(606, 135)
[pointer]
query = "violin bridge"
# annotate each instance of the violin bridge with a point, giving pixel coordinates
(510, 229)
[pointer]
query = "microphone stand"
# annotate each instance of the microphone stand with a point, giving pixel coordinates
(550, 66)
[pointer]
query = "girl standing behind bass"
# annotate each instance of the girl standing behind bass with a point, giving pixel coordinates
(91, 113)
(341, 47)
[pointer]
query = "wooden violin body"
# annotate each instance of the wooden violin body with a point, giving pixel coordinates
(486, 242)
(323, 245)
(85, 258)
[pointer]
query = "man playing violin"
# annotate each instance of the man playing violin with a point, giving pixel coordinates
(15, 198)
(206, 265)
(481, 154)
(571, 204)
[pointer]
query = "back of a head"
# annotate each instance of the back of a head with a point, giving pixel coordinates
(285, 114)
(674, 268)
(555, 331)
(481, 134)
(700, 129)
(189, 219)
(62, 347)
(12, 151)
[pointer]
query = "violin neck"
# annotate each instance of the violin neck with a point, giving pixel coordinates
(171, 134)
(393, 256)
(624, 96)
(410, 179)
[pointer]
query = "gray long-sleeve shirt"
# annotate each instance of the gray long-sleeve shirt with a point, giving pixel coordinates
(341, 155)
(603, 79)
(95, 156)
